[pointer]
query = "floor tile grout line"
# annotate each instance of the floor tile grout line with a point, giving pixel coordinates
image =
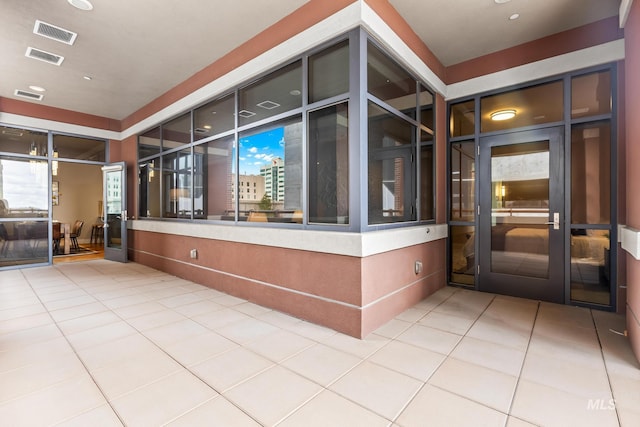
(524, 359)
(79, 359)
(604, 364)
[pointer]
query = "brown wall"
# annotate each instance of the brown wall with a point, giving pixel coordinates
(632, 130)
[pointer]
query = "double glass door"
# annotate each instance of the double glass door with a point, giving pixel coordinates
(521, 215)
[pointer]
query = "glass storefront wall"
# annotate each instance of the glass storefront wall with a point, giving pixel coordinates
(277, 150)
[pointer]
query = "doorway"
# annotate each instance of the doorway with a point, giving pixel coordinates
(521, 214)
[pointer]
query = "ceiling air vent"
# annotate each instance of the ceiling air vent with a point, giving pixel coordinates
(201, 130)
(268, 105)
(41, 55)
(28, 95)
(246, 113)
(55, 33)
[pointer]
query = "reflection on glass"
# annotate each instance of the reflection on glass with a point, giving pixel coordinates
(22, 242)
(520, 209)
(391, 145)
(591, 173)
(329, 72)
(591, 94)
(427, 208)
(176, 172)
(329, 165)
(74, 147)
(532, 106)
(114, 208)
(463, 254)
(215, 169)
(213, 118)
(24, 186)
(149, 178)
(462, 119)
(590, 266)
(177, 132)
(390, 82)
(276, 93)
(425, 104)
(23, 141)
(149, 143)
(270, 173)
(463, 181)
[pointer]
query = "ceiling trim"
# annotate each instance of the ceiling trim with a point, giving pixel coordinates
(55, 126)
(583, 58)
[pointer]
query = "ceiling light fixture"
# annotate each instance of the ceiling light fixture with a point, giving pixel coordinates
(501, 1)
(514, 17)
(81, 4)
(37, 88)
(503, 115)
(87, 77)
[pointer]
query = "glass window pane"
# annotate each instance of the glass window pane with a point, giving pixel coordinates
(427, 209)
(329, 72)
(149, 143)
(591, 173)
(462, 119)
(215, 168)
(74, 147)
(214, 118)
(329, 165)
(274, 94)
(463, 254)
(390, 82)
(425, 100)
(177, 132)
(24, 187)
(463, 181)
(22, 141)
(23, 242)
(176, 172)
(149, 178)
(591, 94)
(531, 106)
(590, 266)
(391, 167)
(271, 155)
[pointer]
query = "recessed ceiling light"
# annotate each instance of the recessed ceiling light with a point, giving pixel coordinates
(87, 77)
(502, 1)
(514, 17)
(503, 115)
(295, 92)
(37, 88)
(81, 4)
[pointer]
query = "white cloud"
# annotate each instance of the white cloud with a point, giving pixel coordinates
(253, 150)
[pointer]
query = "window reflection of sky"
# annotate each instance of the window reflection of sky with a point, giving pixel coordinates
(260, 149)
(24, 184)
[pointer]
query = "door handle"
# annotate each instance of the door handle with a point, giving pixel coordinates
(555, 222)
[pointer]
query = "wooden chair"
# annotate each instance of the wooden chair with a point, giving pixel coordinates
(56, 235)
(75, 232)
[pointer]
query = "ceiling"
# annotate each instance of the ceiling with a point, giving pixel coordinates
(166, 42)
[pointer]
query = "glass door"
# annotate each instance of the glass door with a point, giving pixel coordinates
(115, 211)
(522, 215)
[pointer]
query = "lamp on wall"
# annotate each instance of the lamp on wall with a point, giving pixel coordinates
(54, 163)
(503, 115)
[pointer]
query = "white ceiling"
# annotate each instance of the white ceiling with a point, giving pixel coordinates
(137, 50)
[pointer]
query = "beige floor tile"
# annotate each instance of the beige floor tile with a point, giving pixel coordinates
(413, 361)
(251, 309)
(573, 378)
(27, 337)
(127, 300)
(162, 401)
(115, 351)
(393, 328)
(378, 389)
(199, 348)
(215, 412)
(90, 321)
(100, 335)
(361, 348)
(15, 357)
(52, 404)
(66, 292)
(279, 319)
(172, 333)
(439, 408)
(27, 310)
(279, 345)
(179, 300)
(501, 331)
(412, 315)
(474, 382)
(322, 364)
(229, 300)
(330, 409)
(247, 330)
(516, 422)
(155, 319)
(78, 311)
(230, 368)
(576, 336)
(310, 330)
(587, 356)
(69, 302)
(626, 392)
(199, 307)
(102, 416)
(221, 318)
(448, 322)
(137, 310)
(490, 355)
(134, 372)
(272, 395)
(430, 339)
(24, 322)
(547, 406)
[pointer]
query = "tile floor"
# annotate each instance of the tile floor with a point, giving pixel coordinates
(97, 343)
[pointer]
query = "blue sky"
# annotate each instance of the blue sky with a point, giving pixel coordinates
(259, 149)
